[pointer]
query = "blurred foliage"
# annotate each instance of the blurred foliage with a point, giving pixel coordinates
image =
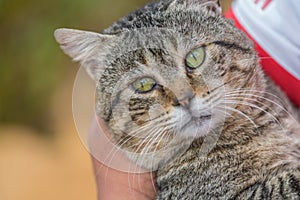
(32, 66)
(31, 63)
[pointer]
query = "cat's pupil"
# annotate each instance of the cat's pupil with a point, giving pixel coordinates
(195, 58)
(144, 85)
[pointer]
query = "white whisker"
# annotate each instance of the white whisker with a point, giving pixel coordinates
(252, 91)
(242, 114)
(266, 99)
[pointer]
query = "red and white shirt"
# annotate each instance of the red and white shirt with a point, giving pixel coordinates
(274, 26)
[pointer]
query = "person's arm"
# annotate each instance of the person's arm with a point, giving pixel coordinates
(113, 184)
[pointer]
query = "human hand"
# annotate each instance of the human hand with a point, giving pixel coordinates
(112, 183)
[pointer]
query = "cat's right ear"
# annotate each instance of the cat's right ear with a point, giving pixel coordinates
(84, 47)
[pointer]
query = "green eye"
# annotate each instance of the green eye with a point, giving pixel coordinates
(144, 85)
(195, 58)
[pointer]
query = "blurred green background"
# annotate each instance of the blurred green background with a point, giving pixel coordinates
(32, 66)
(41, 156)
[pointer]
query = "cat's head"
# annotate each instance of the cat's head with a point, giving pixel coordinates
(162, 72)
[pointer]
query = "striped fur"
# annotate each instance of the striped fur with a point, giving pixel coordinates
(247, 143)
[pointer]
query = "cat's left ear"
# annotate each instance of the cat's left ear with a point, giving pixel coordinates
(211, 7)
(85, 47)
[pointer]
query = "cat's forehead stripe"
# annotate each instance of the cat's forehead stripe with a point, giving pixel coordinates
(154, 58)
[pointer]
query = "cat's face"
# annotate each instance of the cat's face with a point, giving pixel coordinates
(164, 74)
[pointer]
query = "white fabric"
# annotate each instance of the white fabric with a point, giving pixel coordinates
(276, 28)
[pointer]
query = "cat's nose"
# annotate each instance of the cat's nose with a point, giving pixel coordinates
(186, 98)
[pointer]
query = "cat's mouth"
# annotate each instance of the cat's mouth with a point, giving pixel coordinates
(197, 121)
(200, 120)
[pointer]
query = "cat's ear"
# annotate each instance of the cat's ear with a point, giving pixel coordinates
(84, 47)
(211, 7)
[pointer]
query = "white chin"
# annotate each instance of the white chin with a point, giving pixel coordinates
(196, 129)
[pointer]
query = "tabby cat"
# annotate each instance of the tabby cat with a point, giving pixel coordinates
(184, 95)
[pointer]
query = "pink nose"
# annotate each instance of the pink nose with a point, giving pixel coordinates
(184, 102)
(186, 98)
